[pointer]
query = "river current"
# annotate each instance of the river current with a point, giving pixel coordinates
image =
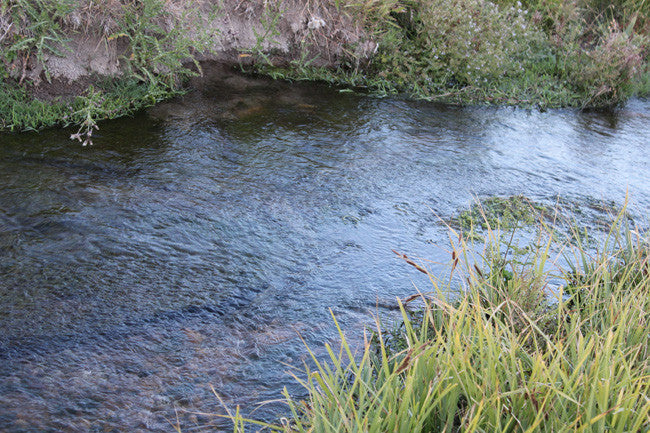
(193, 243)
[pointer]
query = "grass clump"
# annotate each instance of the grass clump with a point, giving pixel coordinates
(501, 212)
(32, 29)
(509, 354)
(108, 99)
(154, 48)
(580, 222)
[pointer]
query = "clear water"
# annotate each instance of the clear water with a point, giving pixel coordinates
(192, 243)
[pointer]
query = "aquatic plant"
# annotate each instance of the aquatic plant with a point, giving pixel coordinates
(502, 212)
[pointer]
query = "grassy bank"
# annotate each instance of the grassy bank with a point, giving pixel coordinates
(21, 111)
(547, 53)
(512, 352)
(152, 46)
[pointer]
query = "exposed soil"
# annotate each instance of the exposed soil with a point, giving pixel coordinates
(235, 28)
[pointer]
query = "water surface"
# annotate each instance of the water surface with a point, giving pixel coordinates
(192, 243)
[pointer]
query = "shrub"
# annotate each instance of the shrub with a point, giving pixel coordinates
(607, 72)
(536, 52)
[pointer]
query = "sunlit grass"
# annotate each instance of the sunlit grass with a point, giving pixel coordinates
(509, 353)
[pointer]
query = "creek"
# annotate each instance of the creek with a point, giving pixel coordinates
(193, 243)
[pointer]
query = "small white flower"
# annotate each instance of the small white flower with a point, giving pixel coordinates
(315, 23)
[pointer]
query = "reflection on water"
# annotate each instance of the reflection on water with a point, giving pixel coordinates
(192, 243)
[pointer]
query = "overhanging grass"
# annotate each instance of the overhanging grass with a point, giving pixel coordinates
(508, 355)
(154, 55)
(107, 100)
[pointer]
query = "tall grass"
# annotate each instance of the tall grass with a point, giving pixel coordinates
(510, 354)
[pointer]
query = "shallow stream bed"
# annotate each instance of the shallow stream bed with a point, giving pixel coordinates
(191, 243)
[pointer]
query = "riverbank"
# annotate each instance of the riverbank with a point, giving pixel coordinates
(511, 352)
(76, 63)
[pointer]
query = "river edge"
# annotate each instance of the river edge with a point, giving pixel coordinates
(476, 363)
(76, 63)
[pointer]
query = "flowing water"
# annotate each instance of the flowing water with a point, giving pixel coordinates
(193, 242)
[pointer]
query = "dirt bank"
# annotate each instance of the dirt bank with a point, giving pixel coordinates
(89, 41)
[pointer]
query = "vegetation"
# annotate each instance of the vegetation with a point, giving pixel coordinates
(154, 58)
(509, 353)
(583, 53)
(501, 212)
(520, 214)
(547, 53)
(109, 99)
(587, 53)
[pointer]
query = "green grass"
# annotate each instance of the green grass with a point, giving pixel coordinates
(545, 53)
(154, 60)
(540, 53)
(576, 221)
(502, 212)
(35, 30)
(508, 354)
(109, 99)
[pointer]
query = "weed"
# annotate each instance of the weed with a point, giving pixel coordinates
(34, 30)
(502, 212)
(544, 53)
(109, 99)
